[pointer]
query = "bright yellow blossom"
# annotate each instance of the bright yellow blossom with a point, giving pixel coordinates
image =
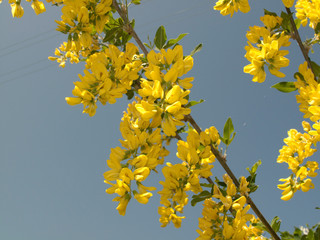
(38, 6)
(266, 51)
(288, 3)
(16, 10)
(227, 7)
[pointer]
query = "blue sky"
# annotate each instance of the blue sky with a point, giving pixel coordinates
(52, 157)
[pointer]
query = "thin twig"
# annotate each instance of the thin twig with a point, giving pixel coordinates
(221, 158)
(130, 29)
(298, 39)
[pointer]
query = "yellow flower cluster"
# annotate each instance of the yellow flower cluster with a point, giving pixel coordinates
(227, 7)
(142, 151)
(179, 178)
(228, 218)
(17, 10)
(112, 74)
(309, 93)
(298, 147)
(82, 21)
(67, 51)
(266, 51)
(163, 92)
(160, 107)
(308, 9)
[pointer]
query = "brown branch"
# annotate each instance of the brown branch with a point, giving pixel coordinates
(129, 29)
(218, 155)
(299, 41)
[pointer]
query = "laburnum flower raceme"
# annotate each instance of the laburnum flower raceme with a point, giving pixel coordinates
(227, 216)
(180, 178)
(150, 120)
(266, 51)
(299, 145)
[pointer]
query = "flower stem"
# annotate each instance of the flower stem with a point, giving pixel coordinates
(298, 39)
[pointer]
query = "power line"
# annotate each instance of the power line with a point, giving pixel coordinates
(25, 40)
(23, 67)
(26, 74)
(28, 45)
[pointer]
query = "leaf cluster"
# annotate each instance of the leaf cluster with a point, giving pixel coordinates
(116, 32)
(251, 179)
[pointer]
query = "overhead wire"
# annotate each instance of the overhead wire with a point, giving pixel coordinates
(26, 74)
(22, 67)
(28, 45)
(26, 40)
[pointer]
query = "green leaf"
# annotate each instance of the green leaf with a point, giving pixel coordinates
(147, 45)
(181, 130)
(266, 12)
(222, 184)
(317, 232)
(317, 207)
(254, 167)
(200, 197)
(193, 103)
(260, 225)
(297, 21)
(285, 87)
(228, 128)
(227, 131)
(286, 22)
(160, 38)
(171, 42)
(301, 77)
(196, 49)
(310, 235)
(317, 28)
(130, 94)
(208, 185)
(136, 2)
(252, 178)
(275, 223)
(315, 68)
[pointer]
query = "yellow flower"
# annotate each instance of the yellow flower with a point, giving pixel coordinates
(143, 198)
(16, 10)
(122, 206)
(73, 101)
(38, 7)
(230, 6)
(227, 230)
(288, 3)
(307, 185)
(287, 194)
(141, 174)
(176, 220)
(147, 110)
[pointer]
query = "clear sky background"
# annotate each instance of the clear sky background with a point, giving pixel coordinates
(52, 157)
